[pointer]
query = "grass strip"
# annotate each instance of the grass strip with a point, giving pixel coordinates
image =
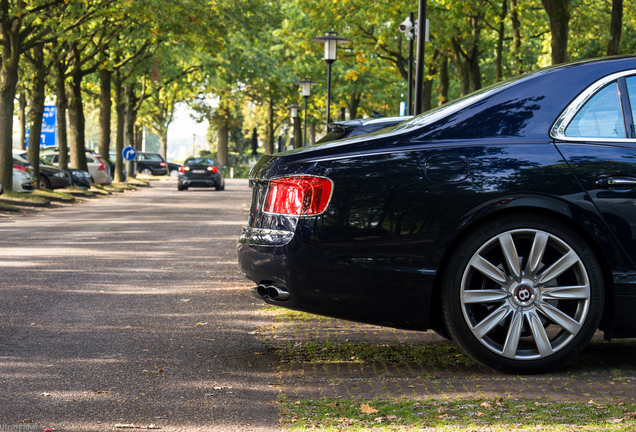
(282, 314)
(25, 197)
(457, 415)
(437, 354)
(8, 207)
(99, 189)
(56, 195)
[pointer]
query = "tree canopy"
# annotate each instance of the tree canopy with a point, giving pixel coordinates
(236, 62)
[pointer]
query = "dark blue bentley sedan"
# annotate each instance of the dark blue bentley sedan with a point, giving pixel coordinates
(505, 220)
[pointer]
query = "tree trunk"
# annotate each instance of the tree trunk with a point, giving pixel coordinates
(312, 133)
(559, 15)
(223, 125)
(36, 110)
(427, 88)
(428, 83)
(131, 115)
(500, 41)
(223, 139)
(120, 113)
(10, 54)
(22, 103)
(354, 103)
(298, 141)
(516, 36)
(269, 147)
(444, 81)
(105, 107)
(77, 123)
(139, 136)
(473, 53)
(615, 27)
(462, 68)
(475, 72)
(163, 142)
(61, 104)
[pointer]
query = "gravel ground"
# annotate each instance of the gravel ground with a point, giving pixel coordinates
(130, 311)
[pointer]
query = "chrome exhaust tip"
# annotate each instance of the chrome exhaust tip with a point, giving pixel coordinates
(271, 292)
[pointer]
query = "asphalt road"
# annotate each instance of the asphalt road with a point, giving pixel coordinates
(130, 311)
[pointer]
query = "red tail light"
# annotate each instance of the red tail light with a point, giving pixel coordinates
(21, 168)
(213, 169)
(298, 196)
(183, 169)
(102, 167)
(163, 164)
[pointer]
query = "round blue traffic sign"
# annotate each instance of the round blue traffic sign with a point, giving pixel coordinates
(129, 153)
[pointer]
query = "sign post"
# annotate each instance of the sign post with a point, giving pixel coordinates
(129, 154)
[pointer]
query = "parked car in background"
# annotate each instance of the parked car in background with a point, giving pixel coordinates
(503, 220)
(151, 164)
(173, 169)
(22, 178)
(97, 168)
(200, 172)
(353, 128)
(80, 178)
(51, 177)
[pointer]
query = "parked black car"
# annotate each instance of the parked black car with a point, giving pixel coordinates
(51, 177)
(173, 169)
(353, 128)
(200, 172)
(503, 220)
(80, 178)
(151, 164)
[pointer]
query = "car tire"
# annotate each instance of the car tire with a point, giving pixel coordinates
(44, 183)
(181, 187)
(146, 171)
(522, 294)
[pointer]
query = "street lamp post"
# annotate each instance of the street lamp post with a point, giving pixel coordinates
(408, 28)
(305, 85)
(419, 65)
(296, 125)
(331, 41)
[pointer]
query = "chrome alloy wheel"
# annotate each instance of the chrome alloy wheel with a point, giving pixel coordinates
(525, 294)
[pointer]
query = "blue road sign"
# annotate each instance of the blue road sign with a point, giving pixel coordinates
(47, 135)
(129, 153)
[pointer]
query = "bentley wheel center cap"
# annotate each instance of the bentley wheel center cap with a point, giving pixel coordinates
(523, 294)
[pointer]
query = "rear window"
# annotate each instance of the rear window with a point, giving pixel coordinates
(336, 133)
(151, 157)
(199, 161)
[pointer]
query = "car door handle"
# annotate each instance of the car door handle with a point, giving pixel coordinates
(617, 183)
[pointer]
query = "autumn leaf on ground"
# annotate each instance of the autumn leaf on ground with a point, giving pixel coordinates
(367, 409)
(486, 405)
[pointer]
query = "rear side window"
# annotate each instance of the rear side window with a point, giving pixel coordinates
(151, 157)
(631, 89)
(600, 117)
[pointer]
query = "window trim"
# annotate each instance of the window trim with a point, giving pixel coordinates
(563, 121)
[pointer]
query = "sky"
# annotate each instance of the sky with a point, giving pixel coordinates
(182, 132)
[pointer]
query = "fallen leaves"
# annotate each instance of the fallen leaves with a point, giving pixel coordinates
(367, 409)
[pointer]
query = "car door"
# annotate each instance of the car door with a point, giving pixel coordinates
(596, 136)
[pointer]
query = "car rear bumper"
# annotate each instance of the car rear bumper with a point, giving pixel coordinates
(314, 279)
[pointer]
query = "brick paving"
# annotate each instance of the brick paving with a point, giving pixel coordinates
(357, 380)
